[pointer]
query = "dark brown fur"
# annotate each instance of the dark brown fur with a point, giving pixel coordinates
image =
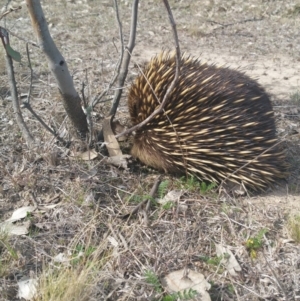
(215, 121)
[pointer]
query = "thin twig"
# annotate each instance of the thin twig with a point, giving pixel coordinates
(246, 288)
(3, 169)
(126, 59)
(121, 36)
(34, 199)
(177, 47)
(146, 201)
(172, 85)
(10, 11)
(118, 66)
(23, 39)
(279, 284)
(26, 104)
(287, 106)
(88, 109)
(31, 74)
(14, 93)
(249, 162)
(234, 23)
(82, 94)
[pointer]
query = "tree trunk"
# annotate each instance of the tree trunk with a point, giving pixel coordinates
(58, 67)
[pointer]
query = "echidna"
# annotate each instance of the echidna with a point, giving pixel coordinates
(215, 121)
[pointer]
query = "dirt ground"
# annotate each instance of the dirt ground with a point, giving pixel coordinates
(78, 202)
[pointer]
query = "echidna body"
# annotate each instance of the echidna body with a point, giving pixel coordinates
(217, 123)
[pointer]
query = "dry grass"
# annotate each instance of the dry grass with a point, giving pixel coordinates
(76, 276)
(108, 258)
(294, 227)
(8, 254)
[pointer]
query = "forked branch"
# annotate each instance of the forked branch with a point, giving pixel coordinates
(171, 87)
(125, 58)
(26, 103)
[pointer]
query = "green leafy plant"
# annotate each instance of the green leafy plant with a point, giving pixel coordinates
(139, 198)
(255, 243)
(29, 216)
(163, 188)
(15, 55)
(217, 290)
(86, 250)
(183, 295)
(168, 205)
(204, 187)
(192, 183)
(215, 260)
(152, 279)
(82, 253)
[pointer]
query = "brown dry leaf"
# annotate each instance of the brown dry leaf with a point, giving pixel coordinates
(116, 157)
(112, 144)
(228, 260)
(177, 281)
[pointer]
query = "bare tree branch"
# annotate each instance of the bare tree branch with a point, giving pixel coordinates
(58, 67)
(171, 87)
(16, 106)
(234, 23)
(26, 104)
(9, 11)
(118, 66)
(31, 74)
(23, 39)
(177, 47)
(13, 88)
(121, 39)
(126, 59)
